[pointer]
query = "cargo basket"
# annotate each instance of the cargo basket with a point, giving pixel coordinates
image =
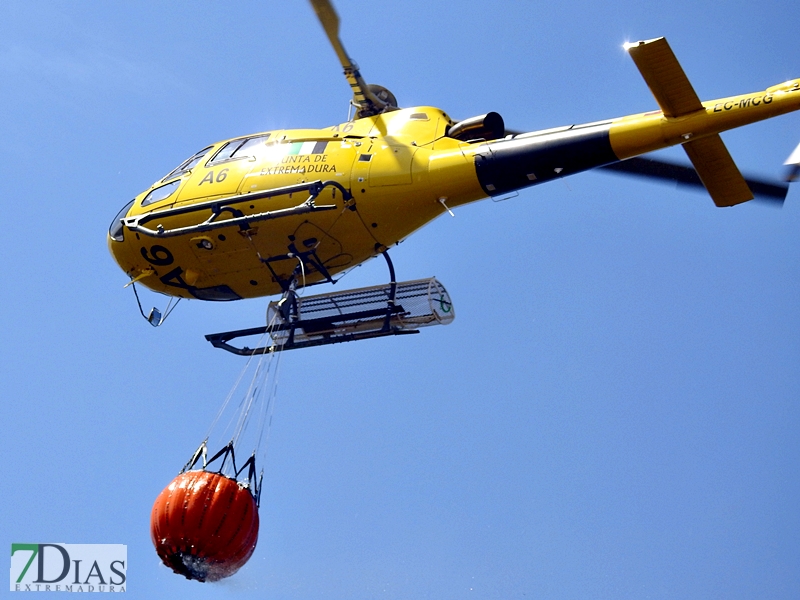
(377, 311)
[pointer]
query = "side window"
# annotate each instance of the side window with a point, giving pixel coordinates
(188, 164)
(161, 193)
(236, 149)
(226, 152)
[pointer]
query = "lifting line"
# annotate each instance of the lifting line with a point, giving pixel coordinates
(249, 424)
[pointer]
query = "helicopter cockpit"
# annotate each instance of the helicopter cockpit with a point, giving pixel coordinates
(232, 150)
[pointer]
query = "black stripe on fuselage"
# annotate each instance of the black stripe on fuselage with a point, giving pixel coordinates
(507, 165)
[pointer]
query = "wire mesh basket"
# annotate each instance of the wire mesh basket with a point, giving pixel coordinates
(362, 311)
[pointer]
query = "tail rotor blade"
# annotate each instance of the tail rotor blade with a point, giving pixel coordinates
(793, 166)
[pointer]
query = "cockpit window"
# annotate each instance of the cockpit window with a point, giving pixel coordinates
(188, 164)
(161, 193)
(235, 149)
(117, 229)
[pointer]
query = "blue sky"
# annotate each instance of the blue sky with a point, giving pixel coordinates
(614, 411)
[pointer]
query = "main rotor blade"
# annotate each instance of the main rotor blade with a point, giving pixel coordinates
(363, 96)
(330, 23)
(685, 175)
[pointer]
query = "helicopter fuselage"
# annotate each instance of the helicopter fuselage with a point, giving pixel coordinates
(243, 216)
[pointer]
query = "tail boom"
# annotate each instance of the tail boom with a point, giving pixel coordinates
(527, 159)
(638, 134)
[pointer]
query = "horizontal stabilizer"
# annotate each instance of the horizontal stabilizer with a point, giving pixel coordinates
(717, 171)
(675, 95)
(665, 77)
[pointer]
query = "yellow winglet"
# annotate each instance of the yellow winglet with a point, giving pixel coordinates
(665, 77)
(717, 171)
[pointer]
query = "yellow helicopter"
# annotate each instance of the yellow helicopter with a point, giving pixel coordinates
(268, 213)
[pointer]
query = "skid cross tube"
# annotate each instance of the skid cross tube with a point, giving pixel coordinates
(220, 340)
(223, 205)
